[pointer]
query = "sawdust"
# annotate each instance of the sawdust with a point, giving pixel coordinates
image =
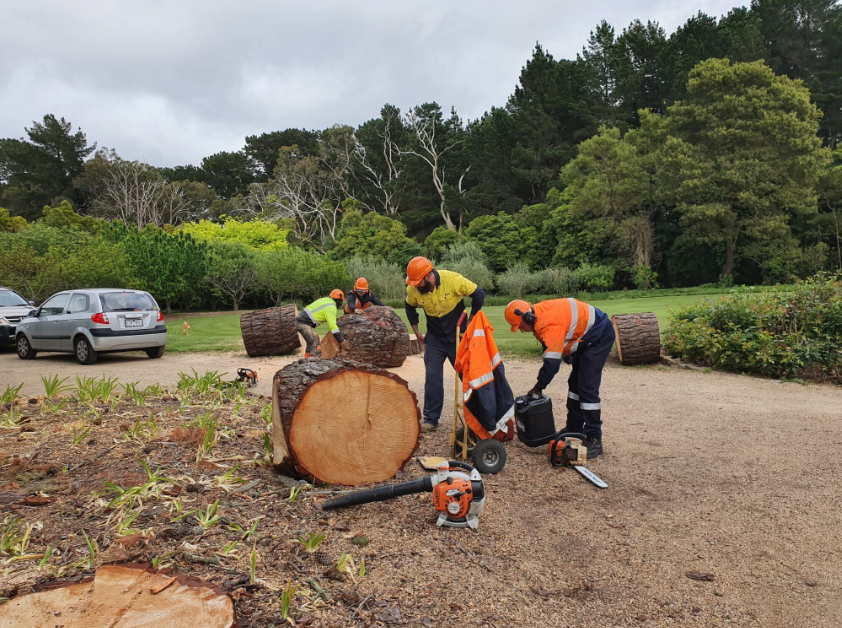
(733, 477)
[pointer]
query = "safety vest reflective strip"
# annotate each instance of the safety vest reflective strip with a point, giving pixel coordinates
(502, 424)
(321, 307)
(582, 318)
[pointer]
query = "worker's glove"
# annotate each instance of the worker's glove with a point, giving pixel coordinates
(568, 359)
(463, 323)
(536, 393)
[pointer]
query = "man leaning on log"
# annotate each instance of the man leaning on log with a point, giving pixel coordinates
(323, 310)
(441, 294)
(361, 297)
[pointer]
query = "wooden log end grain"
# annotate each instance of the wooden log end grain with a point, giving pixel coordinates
(638, 338)
(123, 595)
(342, 422)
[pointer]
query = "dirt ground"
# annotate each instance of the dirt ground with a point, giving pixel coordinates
(723, 508)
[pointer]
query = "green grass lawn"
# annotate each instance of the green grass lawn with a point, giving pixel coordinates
(221, 332)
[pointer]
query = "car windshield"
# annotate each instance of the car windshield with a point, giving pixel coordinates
(126, 302)
(11, 299)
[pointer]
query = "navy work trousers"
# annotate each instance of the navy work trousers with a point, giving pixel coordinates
(584, 407)
(436, 351)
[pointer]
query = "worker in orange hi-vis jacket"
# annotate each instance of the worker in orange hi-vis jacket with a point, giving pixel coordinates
(361, 297)
(582, 336)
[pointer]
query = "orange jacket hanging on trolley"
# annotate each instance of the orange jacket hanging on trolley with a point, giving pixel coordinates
(489, 404)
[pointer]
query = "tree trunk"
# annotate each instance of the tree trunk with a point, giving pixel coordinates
(342, 422)
(638, 338)
(375, 336)
(270, 332)
(729, 258)
(121, 596)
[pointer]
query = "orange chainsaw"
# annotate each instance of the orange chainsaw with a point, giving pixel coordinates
(457, 488)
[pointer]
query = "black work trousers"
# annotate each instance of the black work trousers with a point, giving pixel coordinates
(584, 407)
(436, 351)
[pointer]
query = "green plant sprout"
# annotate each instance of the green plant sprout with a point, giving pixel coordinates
(54, 386)
(312, 542)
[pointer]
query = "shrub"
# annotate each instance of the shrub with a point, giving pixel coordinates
(467, 259)
(792, 332)
(386, 280)
(437, 242)
(594, 278)
(516, 281)
(295, 274)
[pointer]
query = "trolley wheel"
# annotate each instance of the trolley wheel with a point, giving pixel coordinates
(489, 456)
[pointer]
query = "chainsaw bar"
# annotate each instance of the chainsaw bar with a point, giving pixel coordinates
(590, 476)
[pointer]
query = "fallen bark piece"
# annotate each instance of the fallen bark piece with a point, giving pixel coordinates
(701, 577)
(271, 331)
(342, 422)
(638, 338)
(375, 336)
(122, 596)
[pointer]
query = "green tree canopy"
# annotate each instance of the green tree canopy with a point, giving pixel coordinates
(743, 157)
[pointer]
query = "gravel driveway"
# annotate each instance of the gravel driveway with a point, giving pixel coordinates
(709, 473)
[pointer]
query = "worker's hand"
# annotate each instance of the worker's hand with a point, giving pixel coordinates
(535, 393)
(344, 345)
(568, 359)
(420, 336)
(462, 324)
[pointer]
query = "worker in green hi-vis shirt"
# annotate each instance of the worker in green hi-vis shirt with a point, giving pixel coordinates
(323, 310)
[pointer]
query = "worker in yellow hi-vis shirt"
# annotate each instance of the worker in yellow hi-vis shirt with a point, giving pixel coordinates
(441, 293)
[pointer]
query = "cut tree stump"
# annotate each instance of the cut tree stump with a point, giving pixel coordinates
(270, 331)
(342, 422)
(122, 596)
(375, 336)
(638, 338)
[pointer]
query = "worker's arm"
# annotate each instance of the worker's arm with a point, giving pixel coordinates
(330, 317)
(552, 361)
(411, 310)
(351, 305)
(477, 299)
(375, 300)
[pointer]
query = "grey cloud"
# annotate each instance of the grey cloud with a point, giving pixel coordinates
(171, 82)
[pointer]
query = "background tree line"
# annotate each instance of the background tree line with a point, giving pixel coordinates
(707, 155)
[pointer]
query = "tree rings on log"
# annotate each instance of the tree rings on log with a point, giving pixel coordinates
(271, 331)
(342, 422)
(638, 338)
(122, 596)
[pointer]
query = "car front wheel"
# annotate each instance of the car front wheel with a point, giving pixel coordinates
(157, 352)
(25, 350)
(85, 353)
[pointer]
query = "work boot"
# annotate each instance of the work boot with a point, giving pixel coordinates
(594, 446)
(428, 427)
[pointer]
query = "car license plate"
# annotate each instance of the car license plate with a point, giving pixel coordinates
(134, 322)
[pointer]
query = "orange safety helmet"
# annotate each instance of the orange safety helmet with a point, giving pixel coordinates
(515, 311)
(417, 269)
(336, 293)
(361, 285)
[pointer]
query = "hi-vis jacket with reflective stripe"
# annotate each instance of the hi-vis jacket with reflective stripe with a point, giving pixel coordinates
(488, 399)
(322, 311)
(561, 324)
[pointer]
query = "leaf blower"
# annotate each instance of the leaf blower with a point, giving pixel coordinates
(457, 488)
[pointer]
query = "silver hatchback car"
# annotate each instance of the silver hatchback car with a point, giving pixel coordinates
(89, 322)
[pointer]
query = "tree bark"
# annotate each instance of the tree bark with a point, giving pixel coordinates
(638, 338)
(342, 422)
(375, 336)
(270, 331)
(121, 596)
(729, 258)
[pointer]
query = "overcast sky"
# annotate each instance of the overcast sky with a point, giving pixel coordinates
(171, 81)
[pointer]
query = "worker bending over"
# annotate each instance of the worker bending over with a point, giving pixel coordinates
(320, 311)
(581, 335)
(361, 298)
(441, 294)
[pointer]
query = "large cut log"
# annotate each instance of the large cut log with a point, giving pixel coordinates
(122, 596)
(375, 336)
(342, 422)
(270, 331)
(638, 338)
